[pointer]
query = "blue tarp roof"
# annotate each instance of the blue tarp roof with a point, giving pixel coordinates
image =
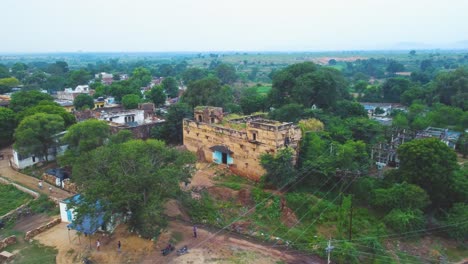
(89, 225)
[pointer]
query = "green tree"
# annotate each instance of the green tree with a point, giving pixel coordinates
(226, 73)
(193, 74)
(307, 84)
(405, 220)
(170, 86)
(208, 91)
(131, 101)
(457, 219)
(156, 95)
(143, 175)
(288, 113)
(251, 101)
(48, 107)
(395, 66)
(452, 88)
(24, 99)
(401, 196)
(4, 72)
(393, 88)
(86, 136)
(345, 109)
(121, 137)
(430, 164)
(141, 77)
(78, 77)
(7, 83)
(83, 101)
(171, 130)
(55, 83)
(8, 125)
(36, 134)
(279, 168)
(122, 88)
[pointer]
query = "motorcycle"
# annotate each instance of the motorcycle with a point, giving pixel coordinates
(182, 251)
(167, 250)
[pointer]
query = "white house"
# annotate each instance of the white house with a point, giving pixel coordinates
(23, 161)
(128, 117)
(89, 224)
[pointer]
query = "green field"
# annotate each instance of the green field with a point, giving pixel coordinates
(264, 89)
(11, 198)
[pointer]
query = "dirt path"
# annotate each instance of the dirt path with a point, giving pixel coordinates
(29, 223)
(223, 247)
(28, 181)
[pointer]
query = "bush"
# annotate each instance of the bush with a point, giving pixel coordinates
(43, 205)
(404, 221)
(203, 210)
(401, 196)
(457, 219)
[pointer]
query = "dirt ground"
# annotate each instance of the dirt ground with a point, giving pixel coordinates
(29, 223)
(210, 246)
(28, 181)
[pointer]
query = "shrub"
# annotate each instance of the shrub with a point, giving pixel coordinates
(404, 221)
(457, 219)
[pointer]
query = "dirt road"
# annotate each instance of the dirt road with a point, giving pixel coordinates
(28, 181)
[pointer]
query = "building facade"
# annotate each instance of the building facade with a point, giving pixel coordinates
(237, 142)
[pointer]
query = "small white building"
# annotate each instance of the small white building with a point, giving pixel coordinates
(23, 161)
(89, 224)
(125, 117)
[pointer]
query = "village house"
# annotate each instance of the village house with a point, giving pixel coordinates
(106, 78)
(237, 142)
(19, 161)
(89, 224)
(140, 121)
(69, 94)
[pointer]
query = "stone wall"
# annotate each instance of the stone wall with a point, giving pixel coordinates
(141, 131)
(7, 241)
(32, 233)
(246, 148)
(67, 184)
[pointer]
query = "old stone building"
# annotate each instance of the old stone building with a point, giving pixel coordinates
(237, 142)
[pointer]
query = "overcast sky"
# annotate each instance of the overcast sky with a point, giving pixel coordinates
(235, 25)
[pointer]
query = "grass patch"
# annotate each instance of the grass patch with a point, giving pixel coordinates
(31, 253)
(44, 205)
(231, 185)
(11, 198)
(176, 237)
(264, 89)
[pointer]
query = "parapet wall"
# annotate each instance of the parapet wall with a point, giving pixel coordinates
(246, 147)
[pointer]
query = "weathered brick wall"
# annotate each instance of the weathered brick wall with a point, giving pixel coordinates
(140, 132)
(32, 233)
(68, 185)
(49, 178)
(199, 137)
(7, 241)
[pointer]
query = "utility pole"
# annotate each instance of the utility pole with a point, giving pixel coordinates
(329, 249)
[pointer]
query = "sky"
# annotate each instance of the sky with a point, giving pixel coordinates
(236, 25)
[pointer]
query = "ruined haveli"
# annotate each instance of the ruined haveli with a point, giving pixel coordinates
(237, 142)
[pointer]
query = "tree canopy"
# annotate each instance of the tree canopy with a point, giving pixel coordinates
(143, 174)
(83, 101)
(8, 125)
(131, 101)
(430, 164)
(36, 134)
(207, 91)
(24, 99)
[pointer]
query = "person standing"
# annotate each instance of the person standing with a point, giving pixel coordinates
(119, 246)
(40, 184)
(98, 245)
(50, 189)
(194, 231)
